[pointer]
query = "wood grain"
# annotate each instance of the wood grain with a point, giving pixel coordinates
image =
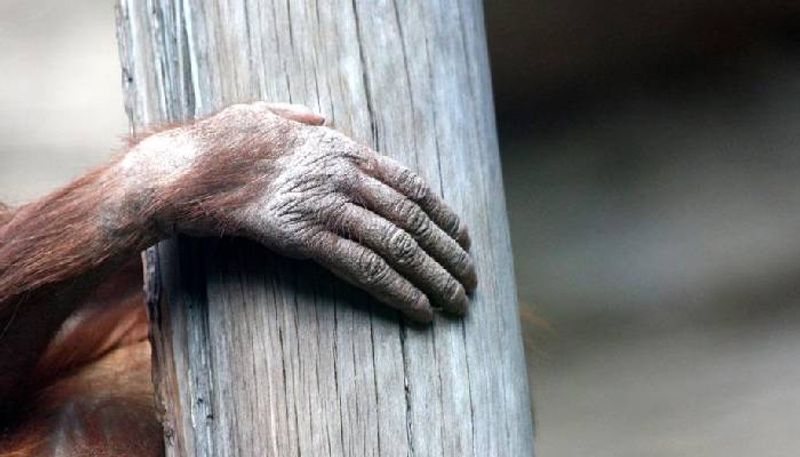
(258, 355)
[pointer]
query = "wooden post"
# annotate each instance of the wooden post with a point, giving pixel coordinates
(258, 355)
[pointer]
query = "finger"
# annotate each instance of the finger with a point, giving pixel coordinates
(400, 250)
(413, 186)
(365, 269)
(407, 215)
(298, 113)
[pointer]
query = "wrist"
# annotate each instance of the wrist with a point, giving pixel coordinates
(150, 172)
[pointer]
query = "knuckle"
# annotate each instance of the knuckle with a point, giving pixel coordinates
(414, 185)
(402, 247)
(462, 262)
(453, 290)
(315, 238)
(452, 223)
(364, 158)
(422, 227)
(347, 180)
(357, 154)
(373, 270)
(336, 214)
(335, 143)
(414, 218)
(305, 239)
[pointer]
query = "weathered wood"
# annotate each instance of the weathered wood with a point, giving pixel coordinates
(259, 355)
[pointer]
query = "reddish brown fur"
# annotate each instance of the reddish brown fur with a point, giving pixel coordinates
(112, 317)
(74, 359)
(53, 256)
(226, 179)
(55, 252)
(34, 251)
(56, 256)
(101, 408)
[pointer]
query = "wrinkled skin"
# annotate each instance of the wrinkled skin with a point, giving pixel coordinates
(367, 218)
(74, 357)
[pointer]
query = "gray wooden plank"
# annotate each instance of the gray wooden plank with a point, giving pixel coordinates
(259, 355)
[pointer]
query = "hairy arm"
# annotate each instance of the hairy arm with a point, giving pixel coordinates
(252, 170)
(53, 254)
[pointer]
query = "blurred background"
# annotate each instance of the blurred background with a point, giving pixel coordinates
(653, 179)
